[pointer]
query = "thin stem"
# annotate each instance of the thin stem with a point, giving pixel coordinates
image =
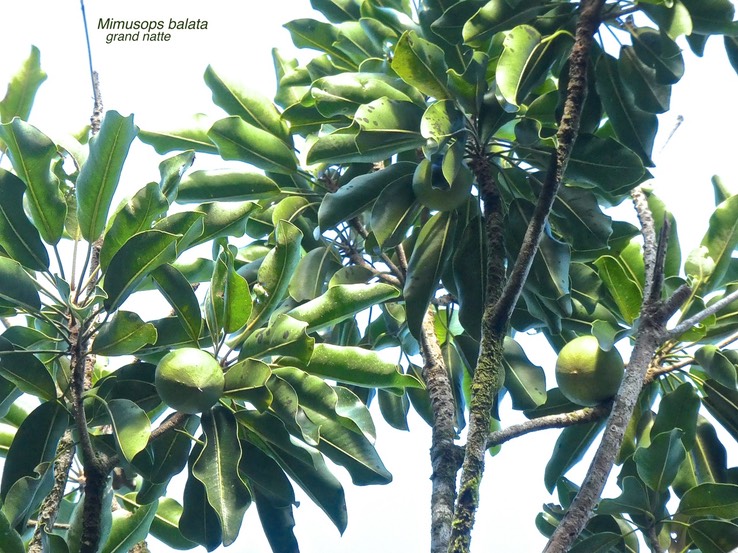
(59, 262)
(693, 321)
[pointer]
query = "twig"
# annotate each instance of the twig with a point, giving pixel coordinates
(684, 326)
(561, 420)
(358, 227)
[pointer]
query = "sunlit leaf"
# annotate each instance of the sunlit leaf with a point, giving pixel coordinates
(22, 88)
(125, 333)
(18, 236)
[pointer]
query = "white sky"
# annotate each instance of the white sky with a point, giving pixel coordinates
(162, 84)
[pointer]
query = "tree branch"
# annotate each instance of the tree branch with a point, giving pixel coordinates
(684, 326)
(561, 420)
(445, 458)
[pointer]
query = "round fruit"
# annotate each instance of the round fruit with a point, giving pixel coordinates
(434, 191)
(189, 380)
(587, 374)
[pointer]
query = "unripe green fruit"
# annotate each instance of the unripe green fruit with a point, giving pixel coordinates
(586, 374)
(434, 192)
(189, 380)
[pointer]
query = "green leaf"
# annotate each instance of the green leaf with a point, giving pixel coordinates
(35, 443)
(199, 521)
(340, 95)
(578, 217)
(26, 371)
(22, 88)
(354, 365)
(659, 52)
(171, 171)
(18, 236)
(178, 292)
(222, 219)
(721, 239)
(678, 409)
(649, 95)
(426, 265)
(135, 215)
(134, 261)
(731, 50)
(571, 445)
(470, 275)
(283, 336)
(634, 127)
(337, 11)
(165, 526)
(622, 285)
(131, 427)
(11, 540)
(602, 542)
(276, 272)
(519, 52)
(249, 105)
(246, 380)
(711, 16)
(217, 469)
(303, 464)
(360, 193)
(166, 456)
(277, 522)
(496, 16)
(394, 212)
(421, 65)
(225, 185)
(99, 176)
(129, 528)
(31, 152)
(241, 141)
(722, 403)
(313, 272)
(717, 366)
(674, 20)
(228, 301)
(712, 500)
(317, 35)
(193, 137)
(633, 501)
(714, 536)
(342, 302)
(658, 463)
(525, 381)
(394, 409)
(124, 334)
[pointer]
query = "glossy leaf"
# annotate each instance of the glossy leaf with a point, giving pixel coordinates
(341, 94)
(649, 95)
(678, 409)
(222, 219)
(99, 176)
(304, 465)
(354, 365)
(35, 443)
(134, 261)
(341, 302)
(246, 380)
(193, 137)
(717, 366)
(360, 193)
(658, 51)
(26, 371)
(129, 528)
(18, 236)
(277, 522)
(633, 500)
(421, 65)
(276, 271)
(22, 88)
(525, 381)
(519, 47)
(571, 445)
(496, 16)
(178, 291)
(165, 526)
(578, 217)
(171, 171)
(634, 127)
(228, 302)
(722, 403)
(136, 215)
(394, 212)
(313, 272)
(674, 20)
(131, 427)
(717, 500)
(124, 334)
(217, 469)
(658, 463)
(621, 284)
(225, 185)
(31, 152)
(317, 35)
(721, 239)
(470, 274)
(166, 456)
(283, 336)
(714, 536)
(241, 141)
(199, 522)
(426, 265)
(11, 540)
(604, 163)
(249, 105)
